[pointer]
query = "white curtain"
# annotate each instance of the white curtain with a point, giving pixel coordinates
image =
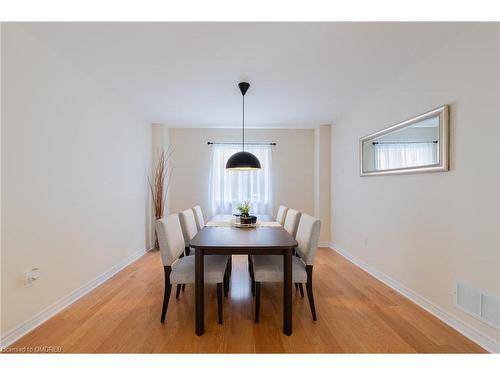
(228, 188)
(400, 155)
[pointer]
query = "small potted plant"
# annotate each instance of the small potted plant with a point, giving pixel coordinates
(244, 209)
(245, 217)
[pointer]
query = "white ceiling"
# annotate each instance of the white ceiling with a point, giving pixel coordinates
(186, 74)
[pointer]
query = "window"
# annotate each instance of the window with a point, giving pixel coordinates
(399, 155)
(228, 188)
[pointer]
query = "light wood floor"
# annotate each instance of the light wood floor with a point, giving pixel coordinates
(356, 314)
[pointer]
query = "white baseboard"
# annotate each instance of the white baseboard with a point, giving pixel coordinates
(324, 244)
(470, 332)
(22, 329)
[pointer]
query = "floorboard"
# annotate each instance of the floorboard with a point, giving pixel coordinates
(356, 314)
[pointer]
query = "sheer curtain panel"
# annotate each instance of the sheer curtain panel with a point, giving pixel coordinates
(399, 155)
(228, 188)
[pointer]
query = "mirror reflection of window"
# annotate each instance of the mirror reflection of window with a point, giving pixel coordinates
(414, 146)
(400, 155)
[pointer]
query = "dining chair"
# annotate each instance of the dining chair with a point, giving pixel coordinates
(280, 216)
(292, 221)
(198, 215)
(290, 224)
(269, 268)
(200, 223)
(180, 269)
(189, 230)
(189, 227)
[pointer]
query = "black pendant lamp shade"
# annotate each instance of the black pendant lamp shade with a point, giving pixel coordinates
(243, 160)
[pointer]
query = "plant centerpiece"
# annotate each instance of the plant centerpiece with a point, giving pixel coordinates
(245, 217)
(244, 209)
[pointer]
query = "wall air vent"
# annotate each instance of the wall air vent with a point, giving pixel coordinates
(482, 305)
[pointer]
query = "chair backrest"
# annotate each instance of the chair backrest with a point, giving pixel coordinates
(198, 215)
(307, 238)
(291, 221)
(170, 238)
(280, 216)
(188, 224)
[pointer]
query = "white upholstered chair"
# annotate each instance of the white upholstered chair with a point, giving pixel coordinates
(280, 216)
(198, 215)
(290, 224)
(189, 230)
(180, 269)
(189, 227)
(269, 268)
(292, 221)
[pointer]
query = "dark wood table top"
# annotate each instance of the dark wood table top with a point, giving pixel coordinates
(243, 238)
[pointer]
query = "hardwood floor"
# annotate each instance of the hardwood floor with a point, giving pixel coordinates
(356, 314)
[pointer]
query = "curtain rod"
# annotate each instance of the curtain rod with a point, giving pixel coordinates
(395, 143)
(239, 143)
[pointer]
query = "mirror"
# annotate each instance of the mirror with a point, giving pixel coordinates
(416, 145)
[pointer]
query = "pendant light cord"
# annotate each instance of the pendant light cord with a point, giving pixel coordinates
(243, 141)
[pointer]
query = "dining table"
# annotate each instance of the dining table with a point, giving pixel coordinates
(221, 236)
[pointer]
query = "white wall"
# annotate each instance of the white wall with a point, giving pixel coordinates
(426, 230)
(293, 165)
(498, 135)
(74, 163)
(322, 171)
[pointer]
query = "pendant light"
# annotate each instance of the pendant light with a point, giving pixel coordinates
(243, 160)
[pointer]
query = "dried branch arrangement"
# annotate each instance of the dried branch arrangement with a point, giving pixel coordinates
(159, 183)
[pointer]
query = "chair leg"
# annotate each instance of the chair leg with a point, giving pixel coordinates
(178, 291)
(183, 287)
(257, 301)
(250, 265)
(252, 276)
(219, 302)
(310, 291)
(297, 287)
(188, 251)
(226, 282)
(166, 295)
(301, 289)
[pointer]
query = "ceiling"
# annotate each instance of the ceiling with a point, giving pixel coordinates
(186, 74)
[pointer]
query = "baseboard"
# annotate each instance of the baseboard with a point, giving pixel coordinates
(22, 329)
(472, 333)
(324, 244)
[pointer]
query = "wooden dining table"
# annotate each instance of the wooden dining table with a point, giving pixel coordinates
(220, 237)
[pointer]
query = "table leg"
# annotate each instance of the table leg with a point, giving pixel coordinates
(287, 292)
(199, 292)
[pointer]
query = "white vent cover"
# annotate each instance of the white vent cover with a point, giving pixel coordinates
(482, 305)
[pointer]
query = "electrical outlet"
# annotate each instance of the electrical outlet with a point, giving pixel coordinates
(32, 276)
